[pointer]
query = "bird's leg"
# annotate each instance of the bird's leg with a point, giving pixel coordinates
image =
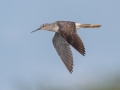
(90, 25)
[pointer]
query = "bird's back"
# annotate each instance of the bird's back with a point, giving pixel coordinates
(67, 27)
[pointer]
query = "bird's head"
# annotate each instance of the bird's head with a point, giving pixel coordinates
(42, 27)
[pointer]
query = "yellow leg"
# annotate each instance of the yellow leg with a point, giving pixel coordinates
(90, 26)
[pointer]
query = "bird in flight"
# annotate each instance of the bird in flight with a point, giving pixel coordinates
(66, 36)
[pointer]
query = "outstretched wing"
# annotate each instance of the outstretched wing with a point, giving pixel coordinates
(69, 33)
(64, 51)
(77, 43)
(74, 40)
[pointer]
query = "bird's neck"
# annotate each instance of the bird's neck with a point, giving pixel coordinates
(52, 27)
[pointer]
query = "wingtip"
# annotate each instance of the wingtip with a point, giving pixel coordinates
(84, 54)
(71, 71)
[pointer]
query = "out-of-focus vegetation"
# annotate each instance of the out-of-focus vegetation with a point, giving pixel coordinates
(115, 85)
(107, 83)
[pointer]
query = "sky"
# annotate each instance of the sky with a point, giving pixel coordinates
(29, 60)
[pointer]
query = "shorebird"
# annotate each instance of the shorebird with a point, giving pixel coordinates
(66, 35)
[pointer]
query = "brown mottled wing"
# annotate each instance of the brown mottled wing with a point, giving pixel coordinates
(75, 41)
(64, 51)
(68, 31)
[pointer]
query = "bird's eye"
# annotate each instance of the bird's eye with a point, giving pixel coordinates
(42, 25)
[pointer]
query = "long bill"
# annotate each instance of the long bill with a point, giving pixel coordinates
(35, 30)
